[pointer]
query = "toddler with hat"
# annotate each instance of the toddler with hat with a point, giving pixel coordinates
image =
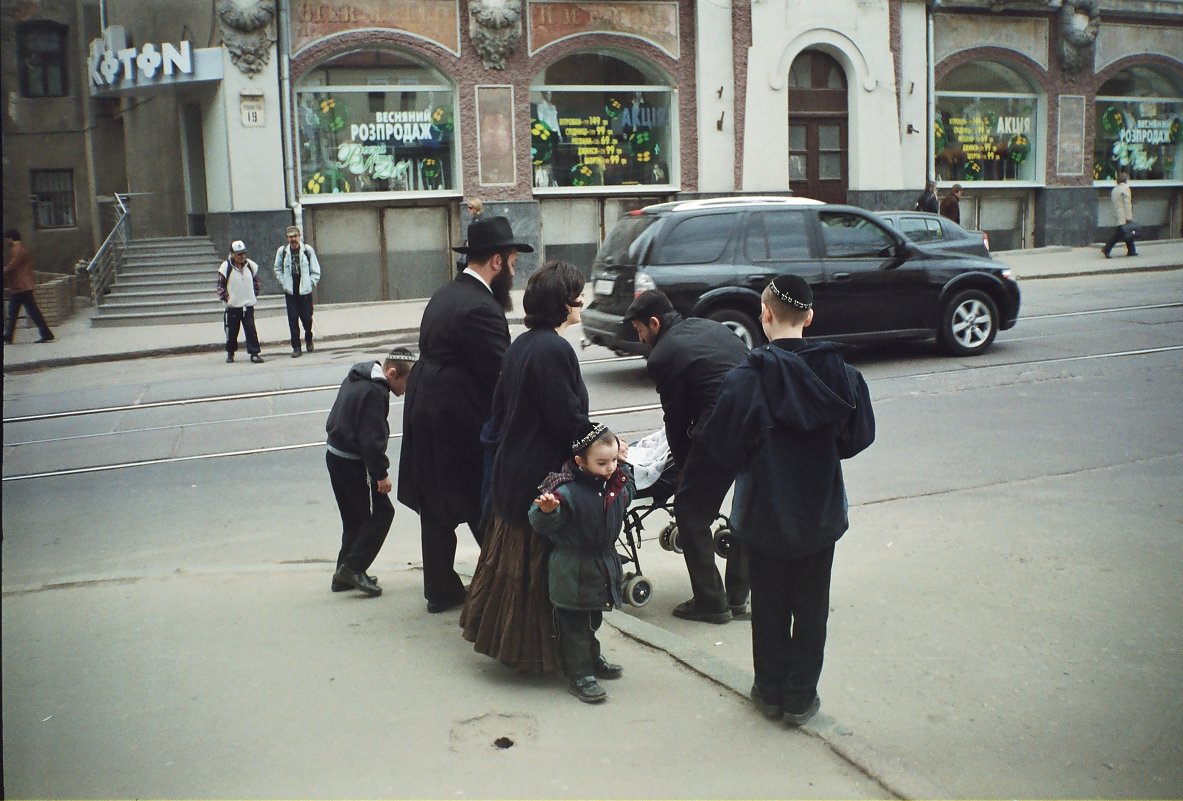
(581, 509)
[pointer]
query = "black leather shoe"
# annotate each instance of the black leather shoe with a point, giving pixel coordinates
(800, 716)
(359, 581)
(770, 711)
(606, 670)
(342, 586)
(229, 358)
(51, 337)
(308, 346)
(256, 358)
(295, 353)
(435, 608)
(690, 610)
(587, 690)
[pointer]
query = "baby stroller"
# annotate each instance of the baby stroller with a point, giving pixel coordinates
(657, 480)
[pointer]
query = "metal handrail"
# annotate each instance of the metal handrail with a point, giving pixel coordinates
(101, 268)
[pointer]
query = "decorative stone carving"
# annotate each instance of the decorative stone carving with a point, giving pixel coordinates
(247, 32)
(495, 29)
(1080, 20)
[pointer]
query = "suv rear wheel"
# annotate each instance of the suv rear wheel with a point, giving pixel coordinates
(969, 323)
(741, 325)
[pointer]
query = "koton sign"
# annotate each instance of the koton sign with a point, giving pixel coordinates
(113, 66)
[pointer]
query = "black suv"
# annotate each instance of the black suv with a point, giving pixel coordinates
(713, 258)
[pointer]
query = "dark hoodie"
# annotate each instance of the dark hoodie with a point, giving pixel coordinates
(783, 421)
(357, 426)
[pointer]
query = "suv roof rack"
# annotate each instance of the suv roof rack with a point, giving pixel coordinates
(706, 203)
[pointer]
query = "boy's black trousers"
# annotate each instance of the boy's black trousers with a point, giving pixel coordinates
(790, 608)
(366, 514)
(703, 486)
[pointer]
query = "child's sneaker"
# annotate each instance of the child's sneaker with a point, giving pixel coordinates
(587, 690)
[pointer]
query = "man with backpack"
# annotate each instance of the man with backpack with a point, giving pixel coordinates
(298, 272)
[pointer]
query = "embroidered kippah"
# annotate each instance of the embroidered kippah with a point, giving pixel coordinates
(594, 432)
(401, 354)
(791, 287)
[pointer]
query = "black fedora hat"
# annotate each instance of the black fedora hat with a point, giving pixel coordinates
(489, 234)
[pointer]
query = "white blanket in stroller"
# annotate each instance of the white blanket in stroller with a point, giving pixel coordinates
(650, 457)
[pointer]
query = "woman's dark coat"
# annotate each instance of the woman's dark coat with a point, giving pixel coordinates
(540, 403)
(462, 341)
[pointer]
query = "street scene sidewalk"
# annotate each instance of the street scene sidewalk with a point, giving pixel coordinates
(77, 341)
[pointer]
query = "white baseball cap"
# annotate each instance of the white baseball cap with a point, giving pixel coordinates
(238, 246)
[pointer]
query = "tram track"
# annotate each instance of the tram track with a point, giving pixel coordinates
(955, 368)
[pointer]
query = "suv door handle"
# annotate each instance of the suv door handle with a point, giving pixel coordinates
(758, 277)
(841, 276)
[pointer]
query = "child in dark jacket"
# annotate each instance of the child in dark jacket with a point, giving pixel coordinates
(581, 509)
(783, 422)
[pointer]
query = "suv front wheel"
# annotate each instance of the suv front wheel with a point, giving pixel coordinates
(969, 323)
(743, 326)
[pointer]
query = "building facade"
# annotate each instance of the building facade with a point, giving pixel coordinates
(368, 121)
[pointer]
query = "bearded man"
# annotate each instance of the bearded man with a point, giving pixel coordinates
(462, 341)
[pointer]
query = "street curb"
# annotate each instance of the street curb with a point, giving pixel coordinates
(894, 776)
(1116, 270)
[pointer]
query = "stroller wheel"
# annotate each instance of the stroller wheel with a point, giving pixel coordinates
(637, 591)
(669, 538)
(725, 542)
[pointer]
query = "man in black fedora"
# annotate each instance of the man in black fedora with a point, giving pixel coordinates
(462, 340)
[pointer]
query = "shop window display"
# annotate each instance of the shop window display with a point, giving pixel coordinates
(982, 134)
(1138, 117)
(599, 121)
(375, 127)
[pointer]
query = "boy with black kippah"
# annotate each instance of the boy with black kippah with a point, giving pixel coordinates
(783, 421)
(581, 509)
(358, 432)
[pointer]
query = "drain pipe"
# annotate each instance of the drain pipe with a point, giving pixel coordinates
(285, 117)
(932, 102)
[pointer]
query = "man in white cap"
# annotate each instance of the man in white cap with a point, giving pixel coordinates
(238, 288)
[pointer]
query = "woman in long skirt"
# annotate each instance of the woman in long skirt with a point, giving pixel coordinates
(539, 403)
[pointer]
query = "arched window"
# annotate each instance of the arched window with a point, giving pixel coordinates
(987, 123)
(1139, 112)
(41, 51)
(375, 121)
(601, 120)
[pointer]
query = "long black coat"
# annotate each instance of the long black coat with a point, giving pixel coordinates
(462, 341)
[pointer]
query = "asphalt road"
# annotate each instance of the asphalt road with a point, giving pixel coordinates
(1005, 605)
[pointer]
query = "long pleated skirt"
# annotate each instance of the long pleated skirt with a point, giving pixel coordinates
(508, 614)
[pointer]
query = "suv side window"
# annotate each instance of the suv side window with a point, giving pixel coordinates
(696, 240)
(920, 229)
(777, 236)
(849, 236)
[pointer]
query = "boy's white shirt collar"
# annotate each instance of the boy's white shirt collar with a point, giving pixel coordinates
(376, 371)
(477, 276)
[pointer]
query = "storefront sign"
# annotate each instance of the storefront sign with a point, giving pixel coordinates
(437, 21)
(655, 22)
(1141, 137)
(113, 67)
(985, 138)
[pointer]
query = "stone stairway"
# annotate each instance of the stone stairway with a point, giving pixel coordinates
(170, 280)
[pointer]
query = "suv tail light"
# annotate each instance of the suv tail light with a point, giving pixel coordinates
(642, 282)
(986, 241)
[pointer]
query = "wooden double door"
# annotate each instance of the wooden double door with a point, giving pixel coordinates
(818, 155)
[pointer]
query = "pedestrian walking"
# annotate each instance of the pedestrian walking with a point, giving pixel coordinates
(298, 271)
(929, 200)
(21, 280)
(687, 362)
(538, 409)
(238, 288)
(580, 509)
(1122, 200)
(951, 204)
(783, 421)
(358, 433)
(462, 339)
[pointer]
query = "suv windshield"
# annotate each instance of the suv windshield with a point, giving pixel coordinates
(624, 244)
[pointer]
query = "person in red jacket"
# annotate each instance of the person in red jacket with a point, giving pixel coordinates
(20, 280)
